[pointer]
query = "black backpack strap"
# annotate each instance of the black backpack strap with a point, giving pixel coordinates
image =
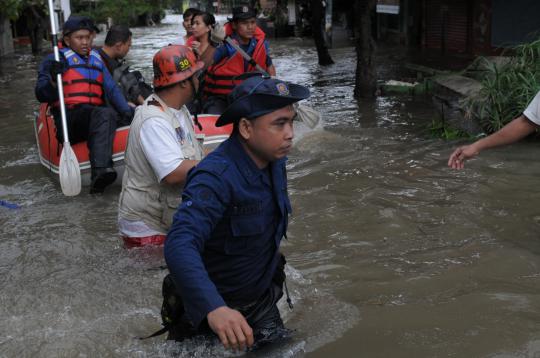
(157, 333)
(172, 308)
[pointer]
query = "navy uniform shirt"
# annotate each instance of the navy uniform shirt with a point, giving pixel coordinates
(222, 248)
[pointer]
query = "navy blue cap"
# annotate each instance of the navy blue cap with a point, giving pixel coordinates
(242, 13)
(76, 23)
(258, 96)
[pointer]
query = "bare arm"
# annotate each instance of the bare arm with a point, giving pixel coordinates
(511, 133)
(179, 175)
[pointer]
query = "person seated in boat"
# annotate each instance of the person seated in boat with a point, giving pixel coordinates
(522, 126)
(201, 28)
(187, 16)
(202, 24)
(88, 86)
(114, 50)
(162, 147)
(223, 247)
(227, 63)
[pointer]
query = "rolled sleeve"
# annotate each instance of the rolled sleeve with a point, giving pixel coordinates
(204, 201)
(533, 110)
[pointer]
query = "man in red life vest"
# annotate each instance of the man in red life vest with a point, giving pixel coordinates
(227, 63)
(87, 84)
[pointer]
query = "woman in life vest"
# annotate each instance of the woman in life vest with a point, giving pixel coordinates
(201, 26)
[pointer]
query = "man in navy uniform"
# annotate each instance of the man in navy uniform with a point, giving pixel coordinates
(223, 247)
(87, 86)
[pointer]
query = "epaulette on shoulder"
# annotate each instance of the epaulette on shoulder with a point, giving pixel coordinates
(214, 165)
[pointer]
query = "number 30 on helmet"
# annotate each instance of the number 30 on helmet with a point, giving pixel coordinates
(173, 64)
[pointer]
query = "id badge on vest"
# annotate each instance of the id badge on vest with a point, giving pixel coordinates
(184, 138)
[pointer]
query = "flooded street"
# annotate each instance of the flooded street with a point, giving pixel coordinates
(391, 253)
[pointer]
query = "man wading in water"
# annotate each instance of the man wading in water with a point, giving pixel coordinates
(162, 147)
(223, 247)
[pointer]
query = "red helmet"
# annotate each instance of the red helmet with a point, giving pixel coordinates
(174, 63)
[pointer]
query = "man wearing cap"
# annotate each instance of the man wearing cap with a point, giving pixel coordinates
(162, 147)
(223, 247)
(87, 84)
(228, 63)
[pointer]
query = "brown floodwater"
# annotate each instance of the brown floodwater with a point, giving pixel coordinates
(391, 253)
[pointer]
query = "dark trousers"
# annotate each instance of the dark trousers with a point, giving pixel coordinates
(262, 316)
(94, 124)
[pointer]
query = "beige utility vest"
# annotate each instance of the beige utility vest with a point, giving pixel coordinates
(143, 197)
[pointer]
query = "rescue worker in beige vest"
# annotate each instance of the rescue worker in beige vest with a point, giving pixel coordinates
(162, 147)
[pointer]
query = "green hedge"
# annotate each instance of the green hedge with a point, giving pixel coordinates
(507, 89)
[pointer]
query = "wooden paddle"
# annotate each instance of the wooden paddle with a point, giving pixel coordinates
(69, 171)
(306, 114)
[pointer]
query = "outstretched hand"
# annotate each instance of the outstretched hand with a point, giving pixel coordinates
(217, 33)
(231, 327)
(458, 157)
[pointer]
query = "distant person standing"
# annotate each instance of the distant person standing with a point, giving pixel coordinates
(116, 47)
(187, 16)
(221, 76)
(519, 128)
(36, 24)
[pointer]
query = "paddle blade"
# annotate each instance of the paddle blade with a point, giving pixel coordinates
(69, 171)
(308, 115)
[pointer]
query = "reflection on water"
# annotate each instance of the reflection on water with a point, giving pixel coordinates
(390, 252)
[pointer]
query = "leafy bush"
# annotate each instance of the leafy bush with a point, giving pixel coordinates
(507, 89)
(127, 12)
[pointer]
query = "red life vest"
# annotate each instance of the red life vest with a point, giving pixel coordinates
(189, 41)
(220, 77)
(83, 81)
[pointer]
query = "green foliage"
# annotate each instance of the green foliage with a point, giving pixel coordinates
(439, 129)
(121, 11)
(11, 9)
(507, 89)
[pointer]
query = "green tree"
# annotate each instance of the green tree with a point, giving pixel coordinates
(131, 12)
(10, 8)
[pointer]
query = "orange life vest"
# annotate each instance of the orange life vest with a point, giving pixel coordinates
(83, 81)
(220, 77)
